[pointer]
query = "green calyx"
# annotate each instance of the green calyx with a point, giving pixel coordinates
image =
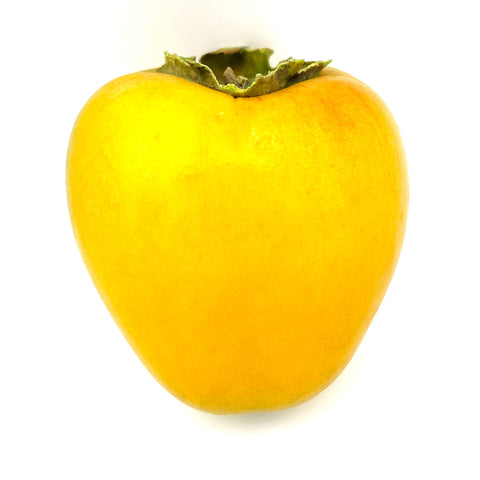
(241, 71)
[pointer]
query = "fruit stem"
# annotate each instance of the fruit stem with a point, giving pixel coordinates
(241, 71)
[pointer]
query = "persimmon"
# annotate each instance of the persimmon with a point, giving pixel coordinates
(241, 223)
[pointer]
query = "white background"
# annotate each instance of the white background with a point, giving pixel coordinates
(76, 403)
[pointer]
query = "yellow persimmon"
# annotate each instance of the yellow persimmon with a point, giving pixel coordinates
(242, 245)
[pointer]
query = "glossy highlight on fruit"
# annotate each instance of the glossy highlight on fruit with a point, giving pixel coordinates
(242, 245)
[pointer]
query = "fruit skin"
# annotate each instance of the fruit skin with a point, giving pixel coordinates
(241, 245)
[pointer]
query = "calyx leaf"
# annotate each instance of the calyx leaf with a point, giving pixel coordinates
(241, 71)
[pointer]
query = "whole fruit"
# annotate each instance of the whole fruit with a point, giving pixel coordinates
(241, 224)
